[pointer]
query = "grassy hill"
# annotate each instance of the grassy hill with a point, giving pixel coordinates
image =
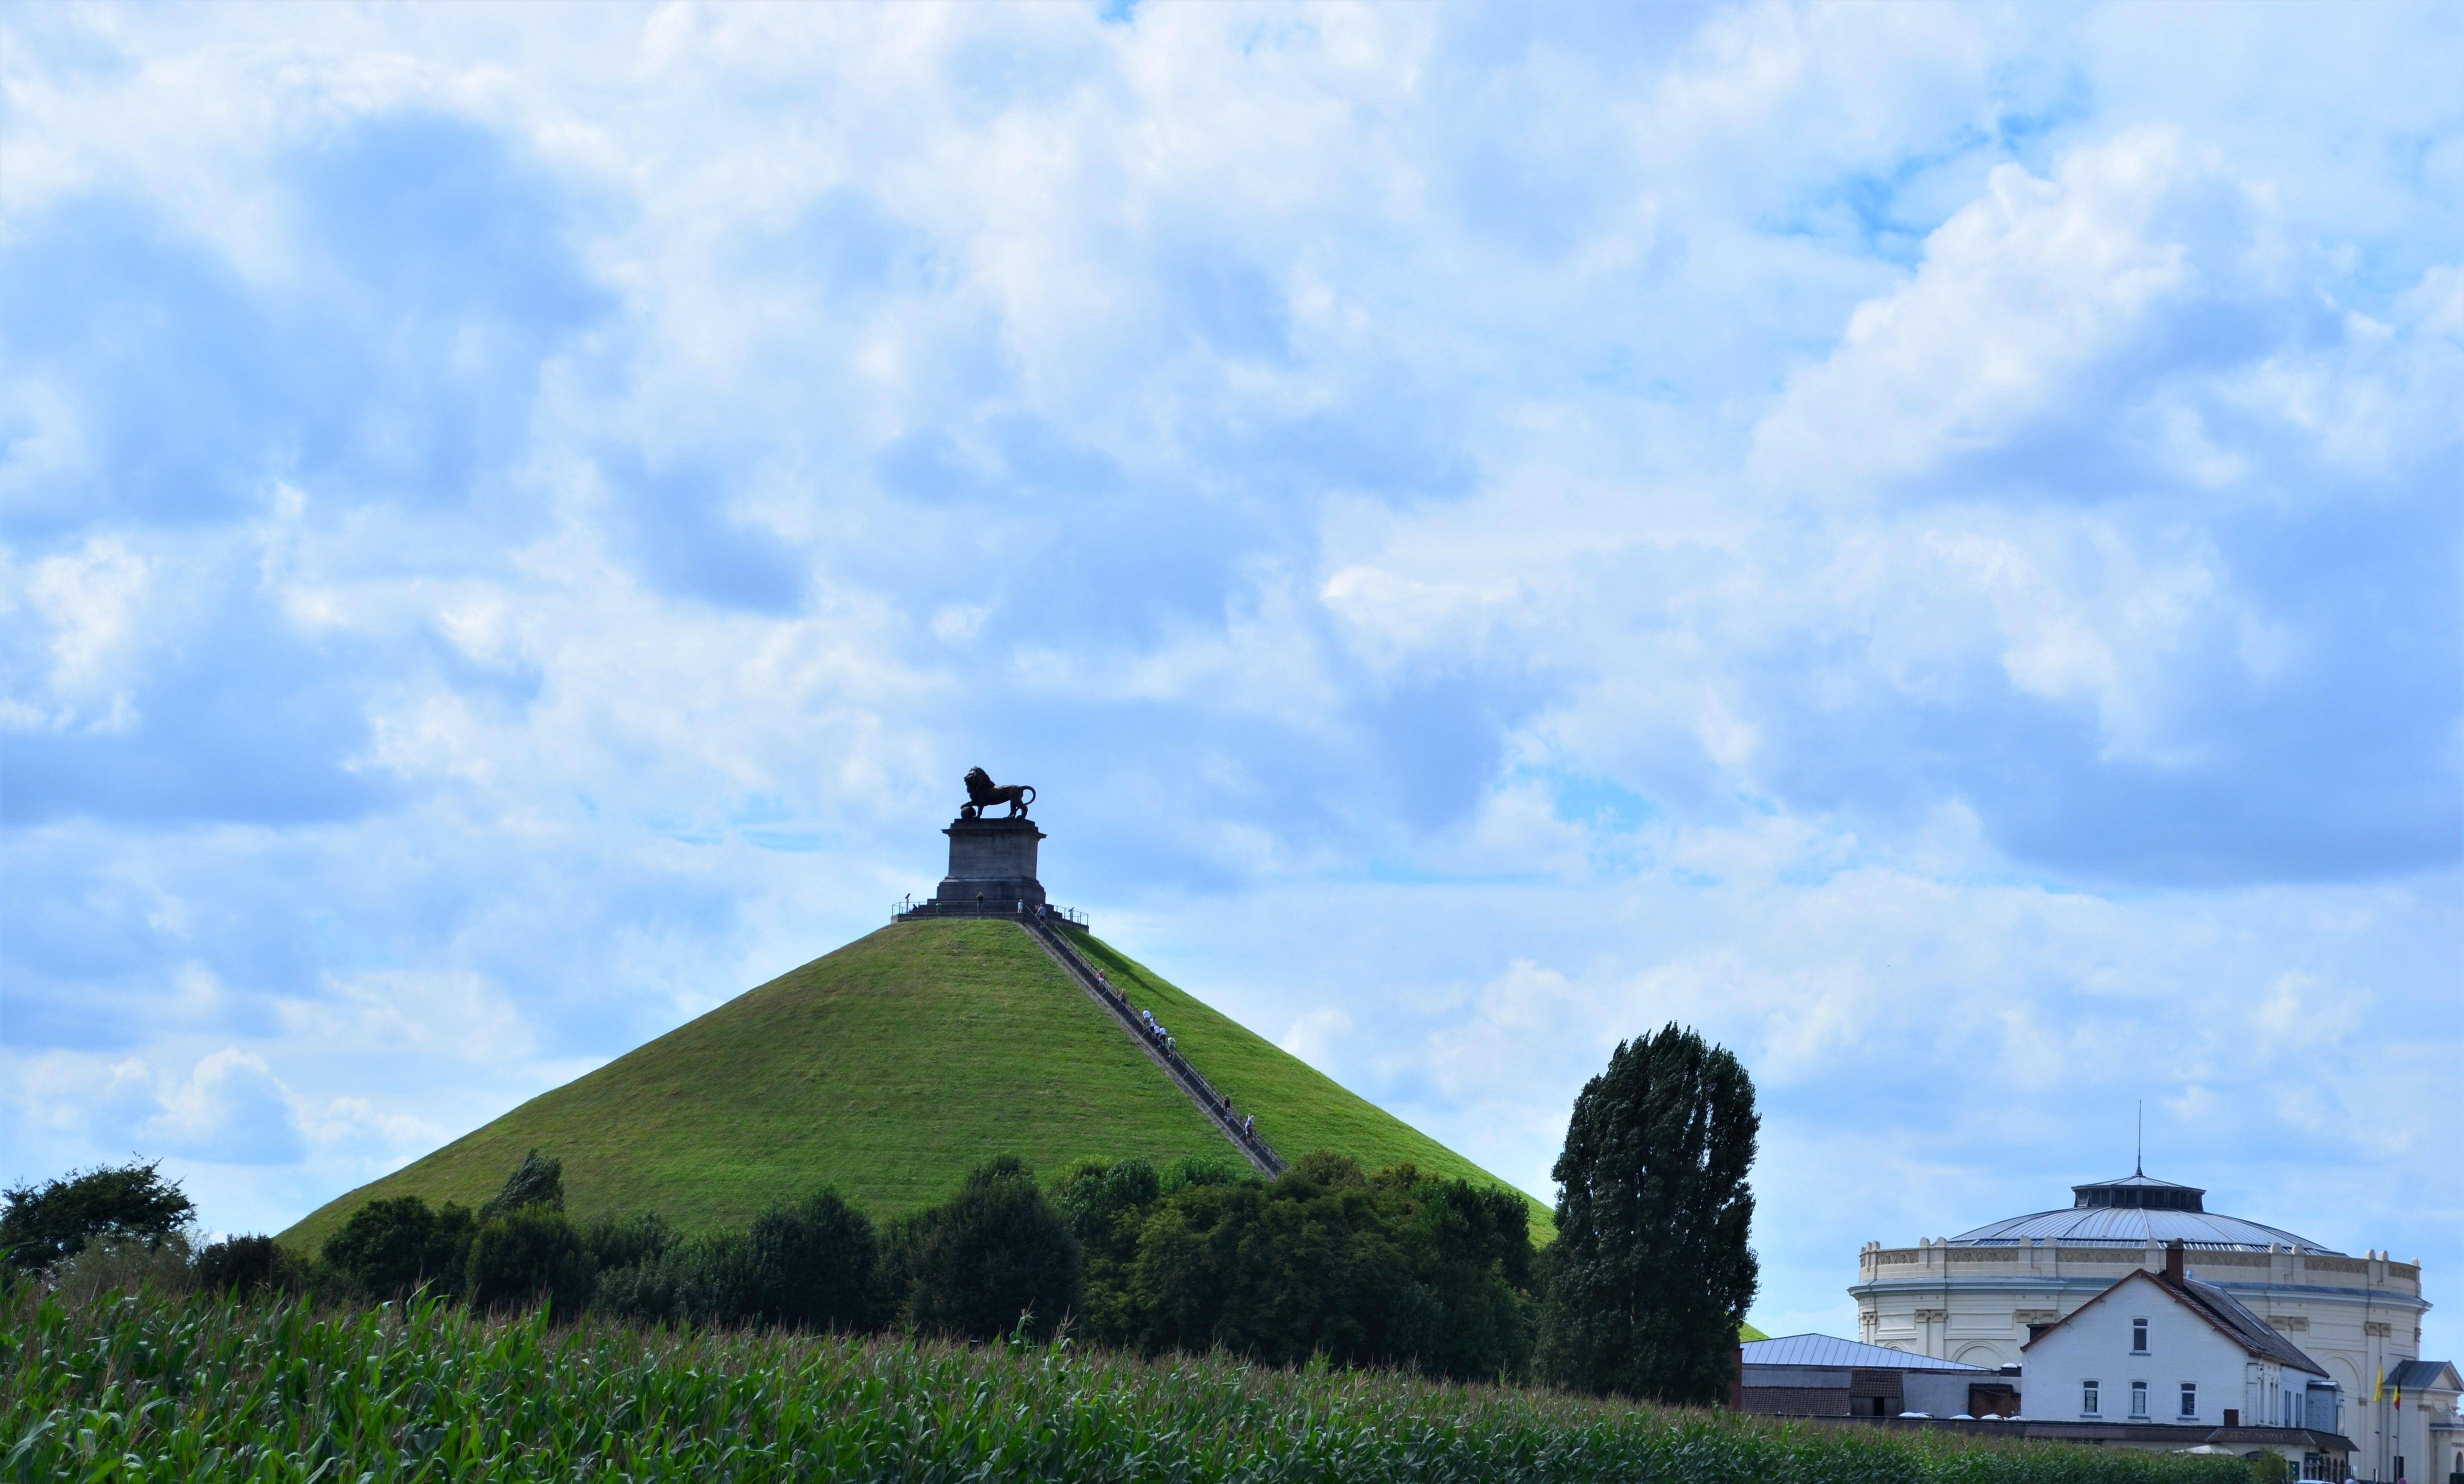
(888, 1068)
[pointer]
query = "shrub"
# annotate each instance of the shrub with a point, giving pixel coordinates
(122, 1204)
(996, 1256)
(391, 1247)
(251, 1265)
(527, 1256)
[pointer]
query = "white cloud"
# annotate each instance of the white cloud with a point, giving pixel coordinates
(227, 1109)
(90, 598)
(1918, 540)
(456, 1015)
(2020, 295)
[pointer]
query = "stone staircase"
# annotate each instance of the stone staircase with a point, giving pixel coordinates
(1218, 1108)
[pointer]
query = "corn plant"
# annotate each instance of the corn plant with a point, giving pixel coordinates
(204, 1389)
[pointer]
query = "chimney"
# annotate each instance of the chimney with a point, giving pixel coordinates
(2174, 1272)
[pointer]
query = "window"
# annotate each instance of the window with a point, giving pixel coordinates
(2139, 1336)
(2190, 1398)
(2139, 1399)
(2087, 1398)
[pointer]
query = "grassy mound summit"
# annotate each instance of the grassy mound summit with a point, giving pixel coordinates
(887, 1069)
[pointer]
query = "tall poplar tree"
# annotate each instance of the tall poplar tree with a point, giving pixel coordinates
(1651, 1275)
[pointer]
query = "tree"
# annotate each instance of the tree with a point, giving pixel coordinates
(1651, 1275)
(1396, 1268)
(711, 1279)
(818, 1264)
(535, 1181)
(251, 1265)
(391, 1247)
(525, 1255)
(997, 1251)
(131, 1203)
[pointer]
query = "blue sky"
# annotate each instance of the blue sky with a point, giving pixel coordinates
(1924, 541)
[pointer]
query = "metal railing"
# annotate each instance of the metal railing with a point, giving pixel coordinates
(908, 909)
(1212, 1103)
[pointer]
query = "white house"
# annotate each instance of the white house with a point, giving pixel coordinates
(2160, 1348)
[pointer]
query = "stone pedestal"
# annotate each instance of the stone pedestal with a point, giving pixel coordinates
(993, 860)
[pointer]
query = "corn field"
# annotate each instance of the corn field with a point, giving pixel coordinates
(200, 1389)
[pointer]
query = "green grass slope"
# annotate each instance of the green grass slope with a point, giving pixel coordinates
(887, 1069)
(1298, 1107)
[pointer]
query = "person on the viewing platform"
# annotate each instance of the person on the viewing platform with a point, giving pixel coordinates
(1249, 1126)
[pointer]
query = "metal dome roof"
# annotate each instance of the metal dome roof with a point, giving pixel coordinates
(2133, 1211)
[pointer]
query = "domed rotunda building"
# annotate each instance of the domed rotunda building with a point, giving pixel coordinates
(1978, 1297)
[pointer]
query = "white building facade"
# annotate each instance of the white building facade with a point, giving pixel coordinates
(1977, 1298)
(2421, 1400)
(2155, 1348)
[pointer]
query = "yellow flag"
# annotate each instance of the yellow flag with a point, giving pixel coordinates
(2379, 1394)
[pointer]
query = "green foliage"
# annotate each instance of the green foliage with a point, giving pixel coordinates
(250, 1265)
(1652, 1274)
(389, 1249)
(525, 1256)
(118, 1203)
(535, 1181)
(102, 1267)
(707, 1280)
(627, 1241)
(2269, 1467)
(817, 1265)
(1091, 1192)
(1397, 1268)
(886, 1069)
(997, 1256)
(808, 1264)
(161, 1390)
(1203, 1170)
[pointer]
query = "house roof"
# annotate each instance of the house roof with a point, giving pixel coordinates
(1831, 1351)
(2223, 1312)
(2323, 1442)
(2255, 1333)
(2425, 1376)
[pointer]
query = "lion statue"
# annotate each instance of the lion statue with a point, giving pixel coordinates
(982, 793)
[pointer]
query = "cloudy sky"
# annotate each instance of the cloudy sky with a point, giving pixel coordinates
(1924, 543)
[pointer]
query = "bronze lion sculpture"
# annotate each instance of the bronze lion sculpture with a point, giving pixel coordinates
(982, 793)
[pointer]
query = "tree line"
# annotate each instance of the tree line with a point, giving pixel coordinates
(1642, 1293)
